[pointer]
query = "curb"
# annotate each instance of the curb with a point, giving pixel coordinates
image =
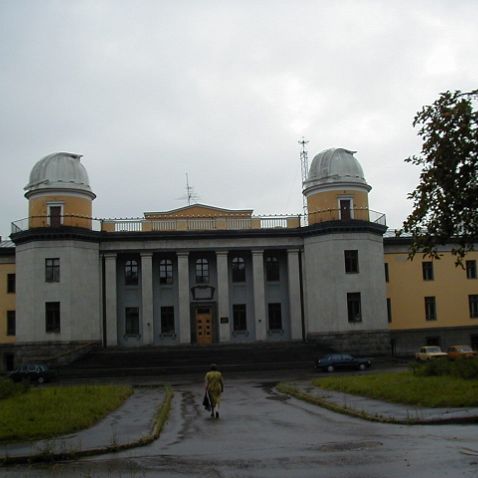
(295, 392)
(45, 457)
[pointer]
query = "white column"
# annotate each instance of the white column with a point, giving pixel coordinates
(110, 300)
(184, 301)
(223, 296)
(293, 272)
(259, 294)
(147, 297)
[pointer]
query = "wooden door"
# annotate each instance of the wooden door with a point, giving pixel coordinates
(204, 325)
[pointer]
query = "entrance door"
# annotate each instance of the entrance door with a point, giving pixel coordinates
(345, 210)
(204, 325)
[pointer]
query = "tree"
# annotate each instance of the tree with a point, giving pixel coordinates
(445, 202)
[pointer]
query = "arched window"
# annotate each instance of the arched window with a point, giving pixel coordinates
(131, 272)
(238, 269)
(165, 271)
(272, 269)
(202, 271)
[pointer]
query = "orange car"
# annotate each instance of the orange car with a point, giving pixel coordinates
(460, 351)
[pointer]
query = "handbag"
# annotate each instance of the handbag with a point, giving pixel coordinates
(206, 402)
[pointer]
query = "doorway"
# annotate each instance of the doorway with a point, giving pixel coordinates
(204, 325)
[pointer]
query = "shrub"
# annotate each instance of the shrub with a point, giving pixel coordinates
(8, 388)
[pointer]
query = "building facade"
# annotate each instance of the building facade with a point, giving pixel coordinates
(205, 275)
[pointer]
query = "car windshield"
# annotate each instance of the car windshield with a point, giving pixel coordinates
(464, 348)
(434, 349)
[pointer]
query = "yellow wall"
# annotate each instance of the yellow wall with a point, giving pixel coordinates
(324, 206)
(450, 287)
(7, 302)
(72, 205)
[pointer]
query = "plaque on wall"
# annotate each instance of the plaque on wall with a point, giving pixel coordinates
(224, 320)
(203, 292)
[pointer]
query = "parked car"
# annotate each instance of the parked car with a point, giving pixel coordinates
(429, 352)
(32, 372)
(332, 362)
(460, 351)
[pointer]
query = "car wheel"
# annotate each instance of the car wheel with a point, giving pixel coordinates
(330, 368)
(41, 380)
(362, 366)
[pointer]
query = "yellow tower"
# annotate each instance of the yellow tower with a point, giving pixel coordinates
(59, 193)
(336, 188)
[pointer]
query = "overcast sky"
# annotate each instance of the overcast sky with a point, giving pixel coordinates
(222, 90)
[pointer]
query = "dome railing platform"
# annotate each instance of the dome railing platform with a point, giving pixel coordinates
(198, 223)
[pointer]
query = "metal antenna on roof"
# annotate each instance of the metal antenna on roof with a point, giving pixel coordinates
(190, 194)
(304, 167)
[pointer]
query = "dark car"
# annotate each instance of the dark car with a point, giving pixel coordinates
(331, 362)
(32, 372)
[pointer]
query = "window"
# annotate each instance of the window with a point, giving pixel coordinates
(165, 271)
(52, 317)
(430, 308)
(202, 271)
(238, 269)
(389, 310)
(354, 308)
(473, 305)
(275, 317)
(239, 317)
(432, 341)
(167, 319)
(387, 275)
(11, 328)
(351, 262)
(10, 283)
(131, 272)
(52, 270)
(55, 215)
(471, 269)
(131, 321)
(272, 269)
(427, 270)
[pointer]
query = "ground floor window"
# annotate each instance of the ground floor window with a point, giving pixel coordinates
(239, 317)
(354, 307)
(131, 321)
(11, 326)
(167, 320)
(52, 317)
(432, 341)
(389, 309)
(275, 316)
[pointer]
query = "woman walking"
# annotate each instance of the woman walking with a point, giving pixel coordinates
(214, 386)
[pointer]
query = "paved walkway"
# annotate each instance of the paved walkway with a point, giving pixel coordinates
(128, 426)
(133, 422)
(385, 411)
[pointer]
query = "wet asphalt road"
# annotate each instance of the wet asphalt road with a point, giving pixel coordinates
(262, 433)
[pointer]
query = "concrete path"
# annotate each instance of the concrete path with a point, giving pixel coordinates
(128, 425)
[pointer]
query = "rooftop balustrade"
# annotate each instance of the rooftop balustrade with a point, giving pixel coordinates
(213, 223)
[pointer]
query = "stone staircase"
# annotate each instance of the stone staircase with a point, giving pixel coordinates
(156, 361)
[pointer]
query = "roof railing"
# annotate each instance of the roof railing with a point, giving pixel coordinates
(199, 223)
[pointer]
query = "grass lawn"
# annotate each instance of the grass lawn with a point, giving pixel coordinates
(404, 387)
(50, 411)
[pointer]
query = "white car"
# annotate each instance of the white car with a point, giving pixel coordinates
(429, 352)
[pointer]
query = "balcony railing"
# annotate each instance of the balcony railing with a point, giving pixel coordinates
(198, 223)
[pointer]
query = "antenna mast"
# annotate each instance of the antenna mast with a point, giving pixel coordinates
(304, 168)
(190, 195)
